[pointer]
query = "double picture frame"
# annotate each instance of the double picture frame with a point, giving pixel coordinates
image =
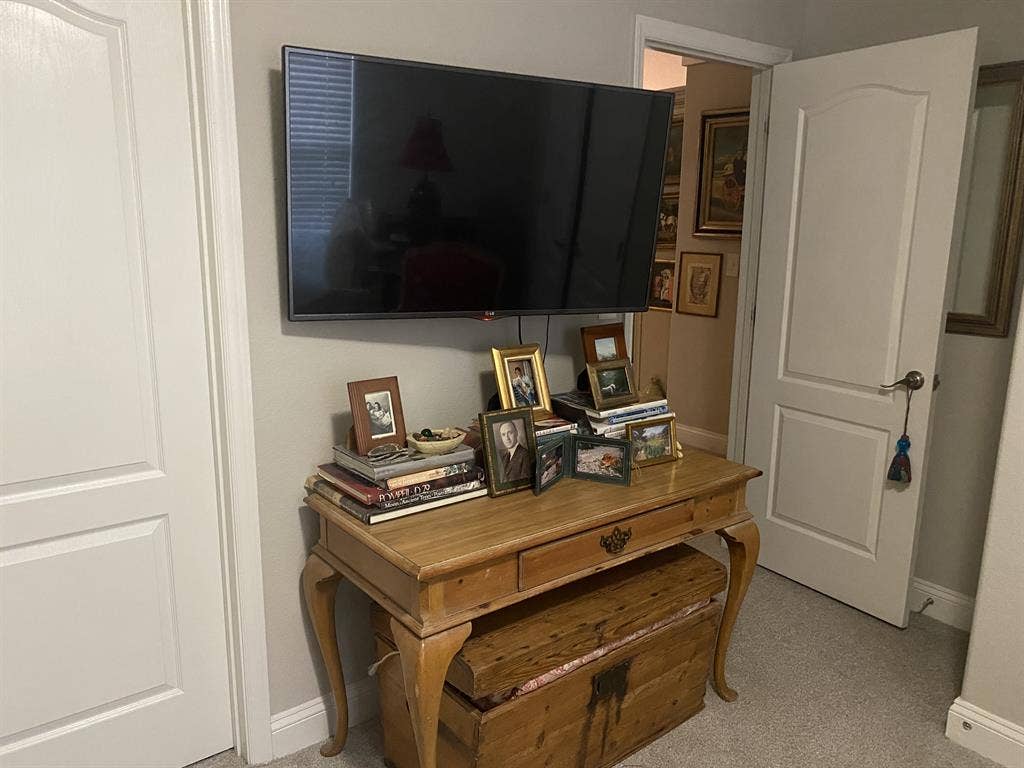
(602, 459)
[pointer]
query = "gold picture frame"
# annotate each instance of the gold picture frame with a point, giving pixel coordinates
(524, 385)
(651, 445)
(610, 390)
(722, 178)
(700, 282)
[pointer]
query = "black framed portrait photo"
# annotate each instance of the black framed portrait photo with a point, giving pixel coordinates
(510, 449)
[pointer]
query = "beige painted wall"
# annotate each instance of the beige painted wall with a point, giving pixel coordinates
(994, 677)
(300, 369)
(663, 70)
(969, 405)
(700, 348)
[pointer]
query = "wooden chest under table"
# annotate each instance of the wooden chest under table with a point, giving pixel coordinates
(437, 571)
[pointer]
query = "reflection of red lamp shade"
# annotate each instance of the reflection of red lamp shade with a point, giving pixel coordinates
(424, 149)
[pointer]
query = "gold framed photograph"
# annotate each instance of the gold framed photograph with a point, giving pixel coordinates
(700, 278)
(653, 440)
(603, 342)
(377, 417)
(663, 282)
(522, 382)
(722, 177)
(612, 383)
(510, 449)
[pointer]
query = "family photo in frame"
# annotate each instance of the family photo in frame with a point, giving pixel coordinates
(522, 382)
(377, 417)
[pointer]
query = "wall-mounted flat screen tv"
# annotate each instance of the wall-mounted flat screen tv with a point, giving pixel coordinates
(418, 190)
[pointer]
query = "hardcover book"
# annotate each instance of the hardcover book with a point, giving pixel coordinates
(369, 493)
(370, 515)
(378, 472)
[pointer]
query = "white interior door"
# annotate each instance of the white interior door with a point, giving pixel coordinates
(112, 646)
(863, 161)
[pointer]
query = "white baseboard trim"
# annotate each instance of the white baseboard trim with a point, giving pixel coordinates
(712, 442)
(949, 607)
(989, 735)
(312, 722)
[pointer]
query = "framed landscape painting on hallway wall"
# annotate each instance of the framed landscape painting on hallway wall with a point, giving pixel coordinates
(722, 179)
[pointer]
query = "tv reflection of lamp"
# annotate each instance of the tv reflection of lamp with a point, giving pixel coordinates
(425, 151)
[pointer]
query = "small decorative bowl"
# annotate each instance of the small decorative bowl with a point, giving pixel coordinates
(444, 440)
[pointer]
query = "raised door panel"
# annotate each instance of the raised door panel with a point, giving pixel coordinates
(78, 396)
(134, 657)
(847, 274)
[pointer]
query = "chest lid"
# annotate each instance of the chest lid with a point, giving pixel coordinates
(528, 639)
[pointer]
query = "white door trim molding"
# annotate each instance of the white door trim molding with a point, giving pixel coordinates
(989, 735)
(215, 139)
(704, 44)
(700, 43)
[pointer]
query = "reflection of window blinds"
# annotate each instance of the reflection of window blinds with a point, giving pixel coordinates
(320, 138)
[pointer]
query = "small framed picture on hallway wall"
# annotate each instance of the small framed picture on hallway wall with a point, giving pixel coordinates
(700, 277)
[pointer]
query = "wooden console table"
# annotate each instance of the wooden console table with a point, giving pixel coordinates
(437, 571)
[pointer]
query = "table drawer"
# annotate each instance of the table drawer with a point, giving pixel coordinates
(601, 545)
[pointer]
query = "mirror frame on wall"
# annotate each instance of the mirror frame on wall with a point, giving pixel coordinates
(1006, 251)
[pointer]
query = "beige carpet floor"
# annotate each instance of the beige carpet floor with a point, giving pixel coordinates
(821, 686)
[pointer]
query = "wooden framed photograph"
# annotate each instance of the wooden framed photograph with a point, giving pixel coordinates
(510, 449)
(551, 463)
(700, 277)
(603, 342)
(663, 282)
(668, 217)
(521, 379)
(722, 177)
(653, 440)
(612, 383)
(600, 458)
(377, 416)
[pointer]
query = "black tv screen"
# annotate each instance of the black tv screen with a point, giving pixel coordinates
(421, 190)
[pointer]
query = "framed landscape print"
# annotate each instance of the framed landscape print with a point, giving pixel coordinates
(603, 342)
(700, 276)
(722, 178)
(668, 217)
(663, 282)
(377, 417)
(653, 440)
(521, 378)
(600, 458)
(612, 384)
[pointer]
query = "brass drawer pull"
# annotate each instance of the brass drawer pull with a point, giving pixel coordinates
(616, 541)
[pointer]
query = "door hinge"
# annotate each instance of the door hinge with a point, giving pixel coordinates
(753, 315)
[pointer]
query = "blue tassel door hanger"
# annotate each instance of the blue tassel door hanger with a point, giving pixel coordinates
(899, 467)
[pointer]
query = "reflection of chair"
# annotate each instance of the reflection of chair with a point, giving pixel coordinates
(449, 277)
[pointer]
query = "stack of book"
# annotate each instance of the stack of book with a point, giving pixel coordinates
(612, 422)
(379, 491)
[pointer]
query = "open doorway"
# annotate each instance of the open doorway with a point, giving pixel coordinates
(685, 344)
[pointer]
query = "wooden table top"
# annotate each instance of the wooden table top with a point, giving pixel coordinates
(450, 538)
